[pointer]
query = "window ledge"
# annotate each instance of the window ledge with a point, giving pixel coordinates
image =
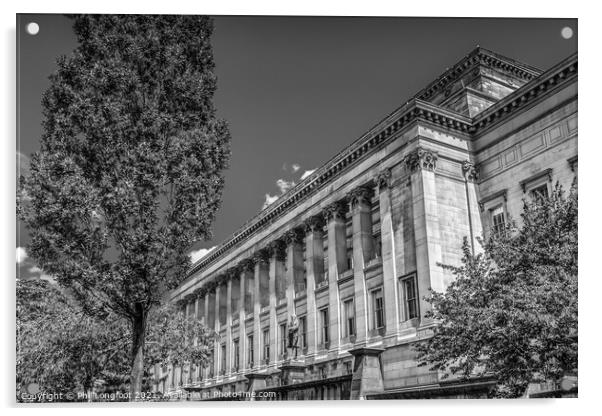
(346, 275)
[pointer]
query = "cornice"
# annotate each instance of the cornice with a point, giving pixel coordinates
(479, 56)
(499, 194)
(415, 110)
(545, 173)
(560, 74)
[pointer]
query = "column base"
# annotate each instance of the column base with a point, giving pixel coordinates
(292, 371)
(367, 372)
(256, 382)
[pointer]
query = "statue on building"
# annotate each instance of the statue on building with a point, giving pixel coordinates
(293, 333)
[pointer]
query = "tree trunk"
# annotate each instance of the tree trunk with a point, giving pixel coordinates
(137, 368)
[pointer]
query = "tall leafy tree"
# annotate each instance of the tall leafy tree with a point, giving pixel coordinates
(511, 311)
(130, 171)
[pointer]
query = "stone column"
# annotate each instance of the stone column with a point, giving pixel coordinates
(387, 238)
(261, 267)
(194, 367)
(228, 368)
(422, 163)
(337, 263)
(206, 307)
(314, 258)
(217, 358)
(362, 253)
(471, 176)
(245, 267)
(294, 266)
(277, 257)
(206, 295)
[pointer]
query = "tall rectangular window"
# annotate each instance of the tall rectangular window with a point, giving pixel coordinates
(410, 295)
(266, 345)
(324, 327)
(213, 361)
(378, 311)
(303, 332)
(250, 351)
(349, 318)
(282, 333)
(497, 218)
(349, 260)
(236, 349)
(223, 358)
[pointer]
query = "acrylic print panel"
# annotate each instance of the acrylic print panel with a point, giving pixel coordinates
(295, 208)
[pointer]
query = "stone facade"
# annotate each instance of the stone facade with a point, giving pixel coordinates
(354, 248)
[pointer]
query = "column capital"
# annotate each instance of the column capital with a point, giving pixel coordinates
(421, 158)
(246, 265)
(211, 286)
(294, 236)
(360, 195)
(233, 272)
(189, 298)
(222, 278)
(315, 223)
(277, 248)
(383, 179)
(261, 256)
(470, 171)
(199, 292)
(336, 210)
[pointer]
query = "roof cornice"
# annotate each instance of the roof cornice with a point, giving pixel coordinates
(561, 73)
(479, 56)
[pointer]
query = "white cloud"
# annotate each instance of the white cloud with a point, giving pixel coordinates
(284, 185)
(21, 254)
(269, 199)
(307, 173)
(41, 274)
(196, 255)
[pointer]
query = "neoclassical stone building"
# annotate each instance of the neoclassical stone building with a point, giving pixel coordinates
(352, 250)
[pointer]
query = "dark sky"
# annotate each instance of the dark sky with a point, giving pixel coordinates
(297, 90)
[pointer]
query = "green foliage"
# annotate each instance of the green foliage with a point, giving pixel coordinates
(59, 347)
(511, 311)
(63, 350)
(130, 171)
(177, 339)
